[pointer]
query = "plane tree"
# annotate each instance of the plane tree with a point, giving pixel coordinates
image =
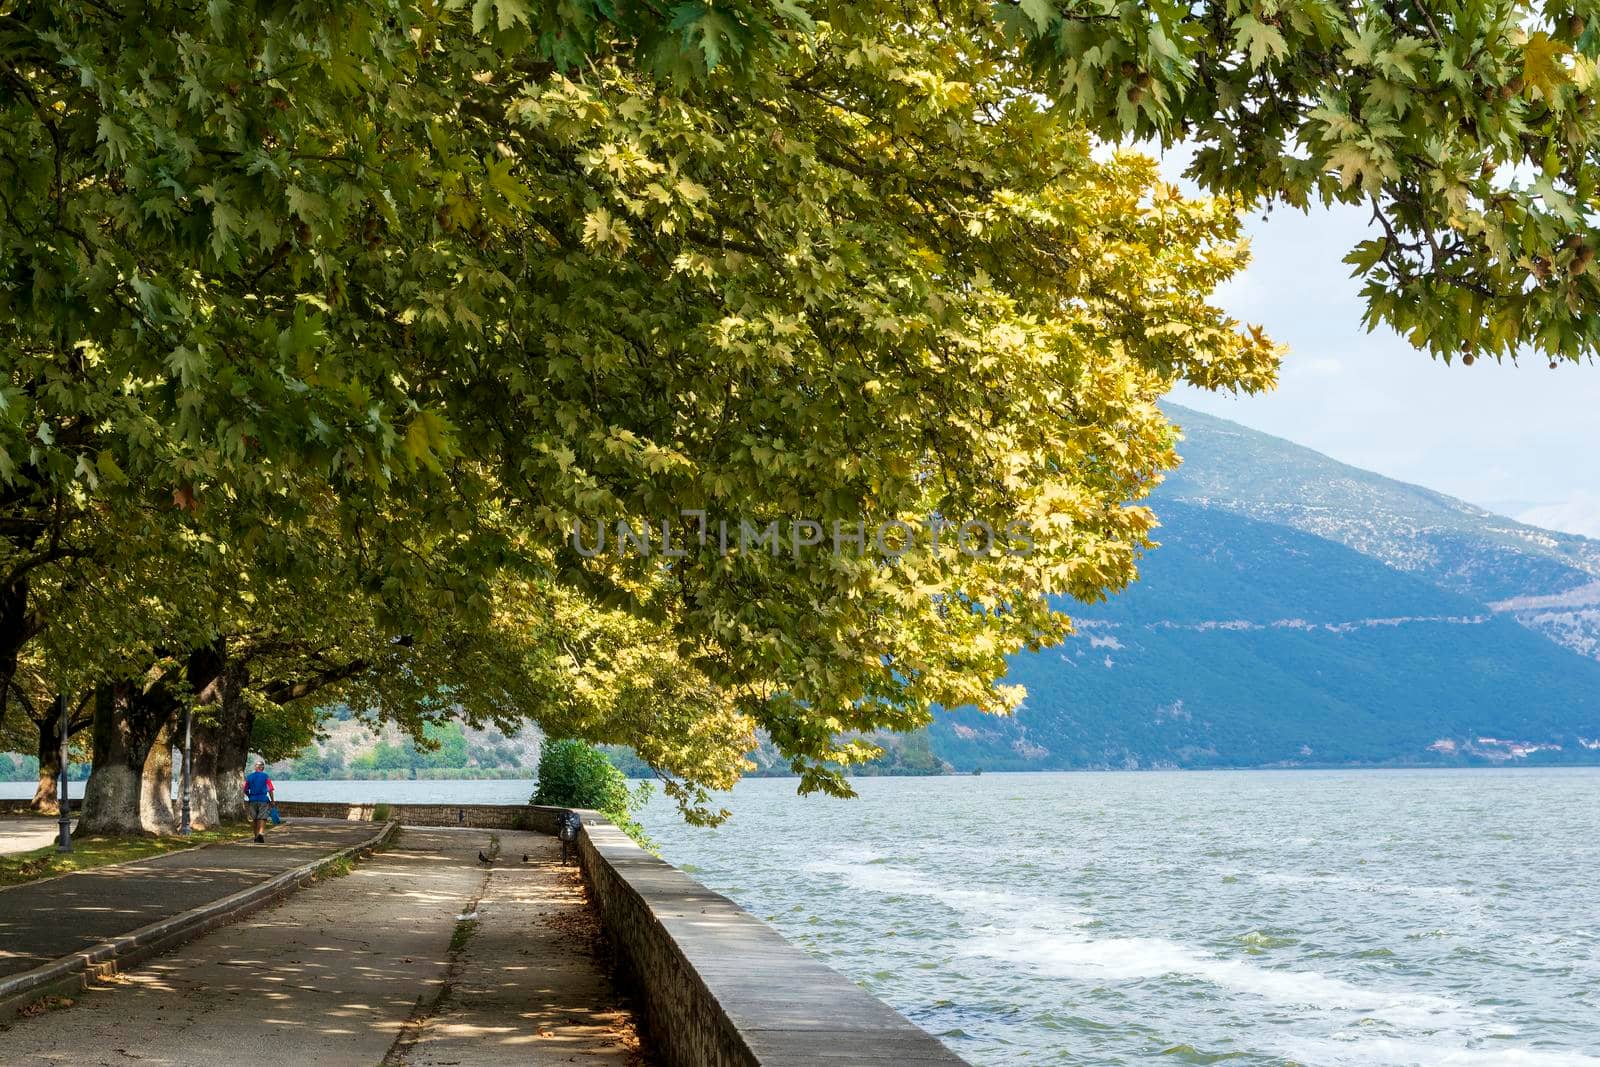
(505, 269)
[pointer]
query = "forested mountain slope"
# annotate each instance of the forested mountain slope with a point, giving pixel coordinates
(1304, 612)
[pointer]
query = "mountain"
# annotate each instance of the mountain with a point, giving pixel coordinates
(1301, 612)
(1548, 581)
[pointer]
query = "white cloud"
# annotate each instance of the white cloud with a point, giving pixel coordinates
(1579, 514)
(1489, 433)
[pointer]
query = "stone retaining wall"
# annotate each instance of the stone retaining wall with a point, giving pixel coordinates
(720, 988)
(488, 816)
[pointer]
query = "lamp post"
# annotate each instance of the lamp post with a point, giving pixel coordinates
(188, 762)
(64, 842)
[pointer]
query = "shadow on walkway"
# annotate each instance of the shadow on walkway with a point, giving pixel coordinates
(374, 967)
(45, 920)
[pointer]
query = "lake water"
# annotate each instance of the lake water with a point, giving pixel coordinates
(1378, 917)
(1316, 918)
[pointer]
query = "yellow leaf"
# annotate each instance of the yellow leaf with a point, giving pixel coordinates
(1542, 68)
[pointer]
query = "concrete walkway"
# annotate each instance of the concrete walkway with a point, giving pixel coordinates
(524, 984)
(25, 835)
(373, 967)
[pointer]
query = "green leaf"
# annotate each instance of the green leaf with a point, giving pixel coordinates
(712, 29)
(1366, 255)
(115, 138)
(305, 333)
(795, 12)
(504, 13)
(1042, 12)
(306, 204)
(427, 439)
(106, 464)
(1258, 40)
(509, 13)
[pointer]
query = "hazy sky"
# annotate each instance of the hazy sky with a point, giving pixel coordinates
(1521, 440)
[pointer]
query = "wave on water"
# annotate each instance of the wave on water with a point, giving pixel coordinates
(1131, 959)
(1363, 1025)
(984, 904)
(1326, 920)
(1362, 1051)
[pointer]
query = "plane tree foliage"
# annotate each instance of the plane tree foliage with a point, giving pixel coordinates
(1467, 129)
(324, 325)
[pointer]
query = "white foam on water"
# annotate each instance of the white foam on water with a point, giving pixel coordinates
(986, 906)
(1048, 937)
(1393, 1052)
(1130, 959)
(1450, 1034)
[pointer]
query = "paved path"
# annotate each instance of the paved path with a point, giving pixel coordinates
(371, 968)
(25, 835)
(524, 986)
(45, 920)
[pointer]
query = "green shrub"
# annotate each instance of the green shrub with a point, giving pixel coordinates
(573, 774)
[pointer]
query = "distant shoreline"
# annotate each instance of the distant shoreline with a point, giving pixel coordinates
(1523, 765)
(516, 774)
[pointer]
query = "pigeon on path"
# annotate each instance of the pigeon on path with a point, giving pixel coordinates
(481, 857)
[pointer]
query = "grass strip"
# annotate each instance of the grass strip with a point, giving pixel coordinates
(94, 850)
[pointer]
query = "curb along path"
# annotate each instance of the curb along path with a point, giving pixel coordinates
(54, 931)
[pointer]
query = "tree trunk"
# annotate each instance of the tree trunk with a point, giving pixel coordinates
(48, 724)
(234, 723)
(155, 785)
(127, 723)
(111, 796)
(47, 794)
(207, 670)
(49, 791)
(16, 628)
(205, 810)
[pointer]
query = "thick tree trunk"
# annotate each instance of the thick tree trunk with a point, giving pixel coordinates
(16, 628)
(47, 794)
(111, 796)
(207, 669)
(127, 723)
(234, 723)
(205, 811)
(49, 790)
(155, 785)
